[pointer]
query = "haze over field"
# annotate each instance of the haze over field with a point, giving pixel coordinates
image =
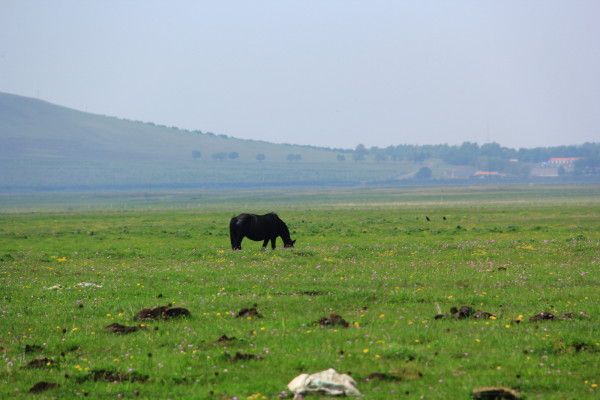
(49, 147)
(334, 73)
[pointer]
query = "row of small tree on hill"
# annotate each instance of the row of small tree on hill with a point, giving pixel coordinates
(234, 155)
(489, 156)
(469, 153)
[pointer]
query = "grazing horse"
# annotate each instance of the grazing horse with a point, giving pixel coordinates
(258, 227)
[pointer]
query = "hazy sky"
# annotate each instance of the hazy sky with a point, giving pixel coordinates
(333, 73)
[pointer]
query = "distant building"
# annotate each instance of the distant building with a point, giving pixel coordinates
(564, 164)
(563, 160)
(544, 171)
(488, 174)
(459, 172)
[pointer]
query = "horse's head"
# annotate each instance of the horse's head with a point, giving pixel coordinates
(289, 244)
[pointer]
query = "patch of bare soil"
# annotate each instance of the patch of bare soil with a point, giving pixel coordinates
(482, 315)
(561, 347)
(333, 320)
(121, 329)
(396, 376)
(251, 312)
(542, 316)
(566, 316)
(176, 312)
(42, 387)
(226, 339)
(162, 312)
(113, 376)
(32, 348)
(465, 312)
(583, 346)
(495, 393)
(574, 315)
(239, 356)
(311, 293)
(41, 363)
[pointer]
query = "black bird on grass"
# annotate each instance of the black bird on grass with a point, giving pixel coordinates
(427, 218)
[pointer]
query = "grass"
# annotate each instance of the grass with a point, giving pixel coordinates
(369, 256)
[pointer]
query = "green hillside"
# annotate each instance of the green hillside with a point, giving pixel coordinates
(49, 146)
(33, 128)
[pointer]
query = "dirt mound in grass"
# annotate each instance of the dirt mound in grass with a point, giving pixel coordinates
(404, 374)
(542, 316)
(383, 376)
(251, 312)
(42, 387)
(41, 363)
(162, 312)
(121, 329)
(583, 346)
(311, 293)
(239, 356)
(495, 393)
(548, 316)
(32, 348)
(226, 339)
(333, 320)
(483, 315)
(105, 375)
(465, 312)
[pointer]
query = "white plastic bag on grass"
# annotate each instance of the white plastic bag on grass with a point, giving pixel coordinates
(328, 382)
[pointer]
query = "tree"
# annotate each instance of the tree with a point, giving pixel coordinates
(341, 157)
(196, 154)
(260, 157)
(233, 155)
(587, 166)
(360, 152)
(219, 156)
(380, 157)
(419, 156)
(423, 173)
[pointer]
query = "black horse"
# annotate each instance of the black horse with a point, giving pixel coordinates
(258, 227)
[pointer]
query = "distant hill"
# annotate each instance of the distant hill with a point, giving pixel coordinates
(49, 147)
(36, 128)
(46, 146)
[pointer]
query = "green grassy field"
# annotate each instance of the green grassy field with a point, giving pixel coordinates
(369, 256)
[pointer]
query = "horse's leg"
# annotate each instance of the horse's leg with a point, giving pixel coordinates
(265, 244)
(236, 242)
(273, 243)
(234, 236)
